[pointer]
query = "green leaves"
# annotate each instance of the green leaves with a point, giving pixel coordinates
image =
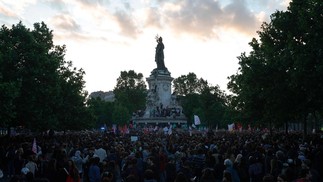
(189, 84)
(281, 76)
(200, 98)
(130, 93)
(38, 86)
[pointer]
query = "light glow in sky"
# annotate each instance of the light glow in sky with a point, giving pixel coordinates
(105, 37)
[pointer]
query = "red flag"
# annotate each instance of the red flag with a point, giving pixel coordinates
(239, 127)
(34, 147)
(126, 129)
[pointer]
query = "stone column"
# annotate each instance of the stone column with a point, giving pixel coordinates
(159, 94)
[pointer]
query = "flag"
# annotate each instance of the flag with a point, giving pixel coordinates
(127, 130)
(114, 128)
(197, 120)
(170, 130)
(165, 130)
(146, 131)
(156, 128)
(239, 126)
(34, 147)
(231, 127)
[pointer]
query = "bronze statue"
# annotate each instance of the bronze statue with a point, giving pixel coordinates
(159, 57)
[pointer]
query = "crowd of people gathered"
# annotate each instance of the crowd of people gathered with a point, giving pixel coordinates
(155, 156)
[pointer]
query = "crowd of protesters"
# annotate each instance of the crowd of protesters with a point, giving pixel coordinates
(155, 156)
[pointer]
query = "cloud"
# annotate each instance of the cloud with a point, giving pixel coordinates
(73, 36)
(57, 4)
(202, 18)
(127, 24)
(195, 17)
(18, 6)
(91, 2)
(239, 17)
(152, 18)
(14, 9)
(6, 12)
(103, 16)
(84, 21)
(276, 4)
(66, 28)
(65, 22)
(125, 17)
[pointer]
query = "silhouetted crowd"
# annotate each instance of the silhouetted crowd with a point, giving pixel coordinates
(93, 156)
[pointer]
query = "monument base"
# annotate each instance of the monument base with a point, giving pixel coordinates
(160, 120)
(161, 105)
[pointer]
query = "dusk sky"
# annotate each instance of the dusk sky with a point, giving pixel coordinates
(105, 37)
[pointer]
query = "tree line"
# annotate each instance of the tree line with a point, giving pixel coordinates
(281, 79)
(279, 82)
(39, 89)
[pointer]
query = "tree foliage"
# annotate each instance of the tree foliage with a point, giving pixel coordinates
(281, 79)
(130, 93)
(189, 84)
(200, 98)
(102, 111)
(40, 89)
(121, 114)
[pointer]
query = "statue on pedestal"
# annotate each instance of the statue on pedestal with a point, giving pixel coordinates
(159, 56)
(161, 105)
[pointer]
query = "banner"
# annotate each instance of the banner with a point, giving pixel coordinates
(133, 138)
(197, 120)
(231, 127)
(34, 147)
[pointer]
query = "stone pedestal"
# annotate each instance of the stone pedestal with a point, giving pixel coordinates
(160, 84)
(161, 103)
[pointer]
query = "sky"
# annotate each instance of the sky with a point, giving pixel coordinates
(105, 37)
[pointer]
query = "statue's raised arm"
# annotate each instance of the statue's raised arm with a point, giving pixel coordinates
(159, 56)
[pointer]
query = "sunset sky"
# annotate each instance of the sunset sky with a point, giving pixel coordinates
(105, 37)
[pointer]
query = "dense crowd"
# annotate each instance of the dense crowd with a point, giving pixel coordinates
(156, 156)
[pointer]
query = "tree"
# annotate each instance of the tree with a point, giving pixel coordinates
(307, 53)
(200, 98)
(130, 92)
(8, 93)
(42, 90)
(101, 110)
(280, 78)
(120, 114)
(213, 102)
(73, 99)
(188, 84)
(190, 104)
